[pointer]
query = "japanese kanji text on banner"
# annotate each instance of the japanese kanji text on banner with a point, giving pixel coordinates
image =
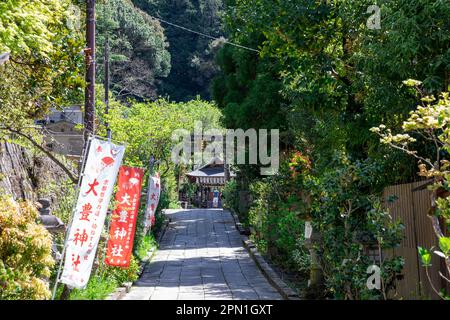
(154, 192)
(102, 165)
(123, 221)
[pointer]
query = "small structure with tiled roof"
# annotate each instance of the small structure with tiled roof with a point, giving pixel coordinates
(210, 179)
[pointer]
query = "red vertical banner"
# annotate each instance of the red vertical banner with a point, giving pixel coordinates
(123, 221)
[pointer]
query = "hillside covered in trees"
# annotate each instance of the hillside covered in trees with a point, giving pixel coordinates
(193, 55)
(152, 58)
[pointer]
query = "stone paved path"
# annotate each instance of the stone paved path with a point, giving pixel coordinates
(201, 257)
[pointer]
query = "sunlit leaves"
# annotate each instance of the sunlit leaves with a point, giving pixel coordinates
(444, 245)
(147, 128)
(430, 122)
(25, 252)
(45, 59)
(425, 256)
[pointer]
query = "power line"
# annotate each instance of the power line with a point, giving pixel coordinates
(204, 35)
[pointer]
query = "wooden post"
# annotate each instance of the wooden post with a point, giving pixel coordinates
(89, 93)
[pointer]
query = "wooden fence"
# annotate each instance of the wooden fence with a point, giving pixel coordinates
(411, 207)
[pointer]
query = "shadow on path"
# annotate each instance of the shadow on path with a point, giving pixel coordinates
(201, 257)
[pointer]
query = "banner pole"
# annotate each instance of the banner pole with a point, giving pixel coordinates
(151, 165)
(80, 178)
(101, 256)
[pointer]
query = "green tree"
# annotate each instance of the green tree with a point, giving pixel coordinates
(193, 64)
(43, 70)
(147, 128)
(340, 78)
(139, 49)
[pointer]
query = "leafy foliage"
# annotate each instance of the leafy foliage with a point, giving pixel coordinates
(430, 120)
(325, 79)
(193, 64)
(147, 128)
(139, 50)
(43, 70)
(25, 252)
(351, 220)
(336, 78)
(230, 196)
(98, 288)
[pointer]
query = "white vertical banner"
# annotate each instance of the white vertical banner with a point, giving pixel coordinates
(99, 176)
(154, 192)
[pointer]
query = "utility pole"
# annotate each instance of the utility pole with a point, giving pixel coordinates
(89, 112)
(108, 130)
(89, 95)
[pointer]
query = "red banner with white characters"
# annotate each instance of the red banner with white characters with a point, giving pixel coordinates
(99, 176)
(154, 191)
(123, 221)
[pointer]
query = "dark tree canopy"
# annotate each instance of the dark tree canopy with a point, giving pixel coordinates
(330, 76)
(139, 54)
(193, 64)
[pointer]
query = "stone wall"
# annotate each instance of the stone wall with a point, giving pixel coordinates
(23, 173)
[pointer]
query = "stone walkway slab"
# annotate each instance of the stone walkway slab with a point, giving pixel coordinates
(201, 257)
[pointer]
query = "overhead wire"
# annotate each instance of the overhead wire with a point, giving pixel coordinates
(205, 35)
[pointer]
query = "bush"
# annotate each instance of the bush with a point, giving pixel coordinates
(25, 252)
(301, 258)
(122, 275)
(98, 288)
(230, 196)
(350, 219)
(342, 205)
(276, 216)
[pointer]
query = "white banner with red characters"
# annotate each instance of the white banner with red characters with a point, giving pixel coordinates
(123, 221)
(99, 176)
(154, 191)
